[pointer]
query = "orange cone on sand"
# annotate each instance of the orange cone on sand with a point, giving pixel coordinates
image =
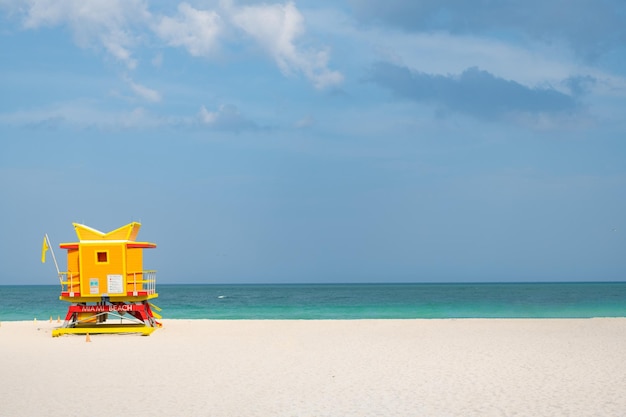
(87, 338)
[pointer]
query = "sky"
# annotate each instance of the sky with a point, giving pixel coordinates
(318, 141)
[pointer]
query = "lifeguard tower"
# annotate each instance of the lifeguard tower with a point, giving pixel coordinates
(106, 285)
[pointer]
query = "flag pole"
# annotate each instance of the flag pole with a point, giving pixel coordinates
(54, 258)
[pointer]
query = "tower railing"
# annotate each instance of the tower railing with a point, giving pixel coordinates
(68, 281)
(137, 283)
(141, 281)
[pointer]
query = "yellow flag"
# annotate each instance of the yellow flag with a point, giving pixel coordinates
(44, 249)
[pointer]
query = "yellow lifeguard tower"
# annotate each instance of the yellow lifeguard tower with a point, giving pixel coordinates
(106, 285)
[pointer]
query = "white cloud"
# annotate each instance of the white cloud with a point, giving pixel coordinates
(145, 93)
(79, 113)
(305, 122)
(138, 118)
(275, 28)
(207, 117)
(104, 23)
(157, 61)
(195, 30)
(88, 114)
(226, 117)
(121, 26)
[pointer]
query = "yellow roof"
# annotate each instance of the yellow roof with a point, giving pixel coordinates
(128, 232)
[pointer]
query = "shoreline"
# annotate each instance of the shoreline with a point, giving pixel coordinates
(59, 320)
(361, 367)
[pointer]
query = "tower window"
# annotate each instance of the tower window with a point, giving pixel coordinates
(102, 257)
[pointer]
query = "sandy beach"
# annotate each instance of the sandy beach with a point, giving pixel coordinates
(477, 367)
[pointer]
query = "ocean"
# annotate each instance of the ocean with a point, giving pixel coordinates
(350, 301)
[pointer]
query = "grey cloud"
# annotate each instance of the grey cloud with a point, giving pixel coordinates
(49, 123)
(474, 92)
(580, 85)
(591, 27)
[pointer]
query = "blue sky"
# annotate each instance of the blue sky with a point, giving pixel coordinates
(319, 141)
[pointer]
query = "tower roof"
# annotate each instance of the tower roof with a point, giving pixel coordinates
(127, 233)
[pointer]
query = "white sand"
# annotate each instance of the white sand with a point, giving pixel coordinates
(320, 368)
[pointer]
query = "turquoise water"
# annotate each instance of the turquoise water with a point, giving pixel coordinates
(350, 301)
